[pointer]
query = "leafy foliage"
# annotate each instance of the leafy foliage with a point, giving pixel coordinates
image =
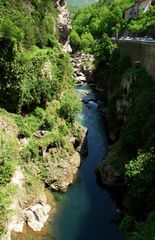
(92, 22)
(29, 22)
(9, 151)
(145, 22)
(6, 197)
(143, 230)
(75, 40)
(69, 107)
(35, 78)
(136, 168)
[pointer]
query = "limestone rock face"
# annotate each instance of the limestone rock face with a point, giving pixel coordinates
(62, 171)
(37, 215)
(64, 24)
(27, 208)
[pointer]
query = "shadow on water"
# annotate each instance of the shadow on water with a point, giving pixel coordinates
(88, 212)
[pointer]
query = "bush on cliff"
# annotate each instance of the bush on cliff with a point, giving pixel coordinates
(69, 107)
(137, 132)
(75, 41)
(6, 198)
(9, 158)
(37, 76)
(134, 230)
(140, 176)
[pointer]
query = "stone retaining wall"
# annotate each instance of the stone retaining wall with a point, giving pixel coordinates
(142, 53)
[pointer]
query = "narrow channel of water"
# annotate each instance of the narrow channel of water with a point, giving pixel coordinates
(88, 212)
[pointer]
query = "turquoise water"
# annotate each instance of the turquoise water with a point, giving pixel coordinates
(79, 3)
(88, 212)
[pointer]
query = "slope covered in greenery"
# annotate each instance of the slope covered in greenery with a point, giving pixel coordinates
(94, 22)
(37, 101)
(130, 112)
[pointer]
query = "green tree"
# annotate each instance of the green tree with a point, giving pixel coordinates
(75, 40)
(87, 42)
(69, 107)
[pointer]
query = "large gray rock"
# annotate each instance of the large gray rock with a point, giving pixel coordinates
(64, 24)
(37, 216)
(31, 209)
(109, 175)
(62, 171)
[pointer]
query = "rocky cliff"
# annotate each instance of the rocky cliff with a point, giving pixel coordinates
(41, 146)
(129, 115)
(64, 24)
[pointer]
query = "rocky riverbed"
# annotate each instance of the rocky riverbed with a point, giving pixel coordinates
(83, 67)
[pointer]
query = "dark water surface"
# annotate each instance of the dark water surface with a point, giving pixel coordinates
(88, 212)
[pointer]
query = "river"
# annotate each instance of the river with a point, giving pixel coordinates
(76, 4)
(88, 212)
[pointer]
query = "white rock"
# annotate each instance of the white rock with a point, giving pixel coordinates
(18, 178)
(37, 215)
(81, 78)
(17, 225)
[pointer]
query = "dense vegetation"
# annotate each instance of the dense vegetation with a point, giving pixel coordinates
(37, 103)
(131, 119)
(37, 100)
(130, 112)
(95, 22)
(145, 22)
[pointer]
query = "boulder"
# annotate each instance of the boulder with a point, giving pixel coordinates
(64, 23)
(109, 175)
(36, 216)
(62, 171)
(81, 79)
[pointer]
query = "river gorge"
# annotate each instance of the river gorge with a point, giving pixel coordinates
(88, 212)
(85, 211)
(77, 132)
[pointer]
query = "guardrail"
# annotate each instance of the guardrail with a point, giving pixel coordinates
(143, 41)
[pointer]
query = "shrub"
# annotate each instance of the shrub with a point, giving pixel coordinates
(9, 30)
(8, 156)
(75, 40)
(144, 230)
(87, 42)
(69, 107)
(6, 197)
(52, 41)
